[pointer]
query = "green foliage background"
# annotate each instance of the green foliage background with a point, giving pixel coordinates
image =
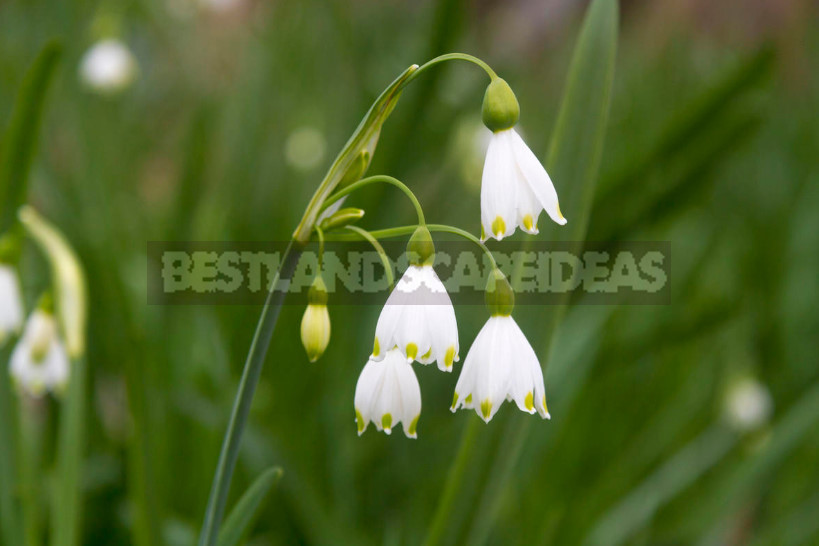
(711, 144)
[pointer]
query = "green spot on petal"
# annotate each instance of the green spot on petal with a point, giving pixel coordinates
(386, 421)
(454, 400)
(412, 350)
(498, 226)
(530, 401)
(544, 404)
(413, 425)
(359, 421)
(449, 358)
(376, 347)
(486, 409)
(468, 399)
(427, 354)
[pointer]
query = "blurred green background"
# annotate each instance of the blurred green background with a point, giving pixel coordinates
(237, 109)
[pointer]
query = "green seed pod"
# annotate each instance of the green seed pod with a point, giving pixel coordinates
(500, 298)
(420, 249)
(500, 106)
(340, 218)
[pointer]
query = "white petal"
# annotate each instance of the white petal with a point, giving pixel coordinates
(410, 395)
(11, 303)
(498, 188)
(366, 392)
(537, 177)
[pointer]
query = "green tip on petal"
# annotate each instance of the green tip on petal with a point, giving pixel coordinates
(376, 347)
(449, 358)
(530, 401)
(427, 354)
(412, 351)
(360, 424)
(413, 426)
(529, 222)
(486, 409)
(386, 422)
(454, 400)
(498, 227)
(468, 399)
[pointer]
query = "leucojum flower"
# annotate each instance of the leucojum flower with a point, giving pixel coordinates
(39, 362)
(108, 67)
(515, 186)
(387, 393)
(418, 318)
(501, 364)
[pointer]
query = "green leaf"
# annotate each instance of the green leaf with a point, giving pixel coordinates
(11, 531)
(20, 139)
(242, 514)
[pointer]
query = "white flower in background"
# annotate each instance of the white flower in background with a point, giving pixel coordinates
(39, 362)
(501, 364)
(11, 302)
(748, 404)
(418, 318)
(108, 67)
(515, 187)
(304, 148)
(387, 393)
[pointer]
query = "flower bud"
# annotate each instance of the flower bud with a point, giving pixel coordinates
(500, 106)
(315, 324)
(342, 217)
(420, 249)
(500, 298)
(357, 168)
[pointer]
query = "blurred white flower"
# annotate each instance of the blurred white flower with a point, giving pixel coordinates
(220, 6)
(418, 320)
(11, 302)
(501, 365)
(387, 393)
(108, 67)
(39, 362)
(304, 148)
(515, 188)
(748, 404)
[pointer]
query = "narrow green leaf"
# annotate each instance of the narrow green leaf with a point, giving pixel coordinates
(11, 531)
(242, 514)
(20, 138)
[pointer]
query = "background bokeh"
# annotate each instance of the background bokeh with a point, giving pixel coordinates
(237, 109)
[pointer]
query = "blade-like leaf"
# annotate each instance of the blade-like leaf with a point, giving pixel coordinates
(20, 139)
(242, 514)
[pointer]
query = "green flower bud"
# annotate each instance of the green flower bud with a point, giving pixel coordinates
(420, 249)
(356, 169)
(500, 298)
(315, 323)
(341, 218)
(500, 107)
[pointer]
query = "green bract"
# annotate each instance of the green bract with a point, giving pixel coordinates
(500, 106)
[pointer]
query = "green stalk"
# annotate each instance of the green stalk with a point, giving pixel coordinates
(364, 182)
(66, 511)
(244, 397)
(11, 531)
(385, 260)
(31, 445)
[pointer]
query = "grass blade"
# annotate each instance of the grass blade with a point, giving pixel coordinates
(242, 514)
(11, 531)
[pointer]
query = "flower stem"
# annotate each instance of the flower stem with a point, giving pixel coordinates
(244, 397)
(380, 249)
(381, 178)
(451, 57)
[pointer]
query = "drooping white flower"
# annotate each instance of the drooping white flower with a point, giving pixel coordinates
(39, 362)
(748, 404)
(11, 303)
(501, 365)
(108, 67)
(387, 393)
(419, 320)
(515, 188)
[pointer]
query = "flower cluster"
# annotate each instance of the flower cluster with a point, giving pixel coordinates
(418, 324)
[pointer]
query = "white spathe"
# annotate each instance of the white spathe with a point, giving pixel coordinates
(11, 303)
(501, 365)
(419, 320)
(39, 362)
(514, 189)
(387, 393)
(108, 67)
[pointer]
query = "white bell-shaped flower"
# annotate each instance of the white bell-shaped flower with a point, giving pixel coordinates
(108, 67)
(419, 320)
(11, 303)
(39, 362)
(387, 393)
(515, 187)
(501, 365)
